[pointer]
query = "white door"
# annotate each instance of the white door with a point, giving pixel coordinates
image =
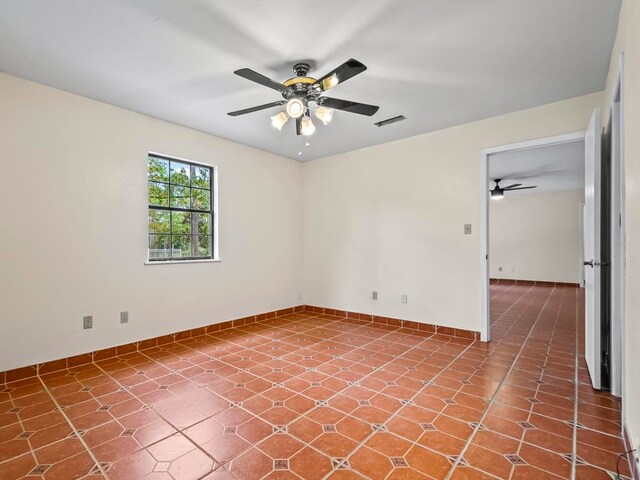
(592, 247)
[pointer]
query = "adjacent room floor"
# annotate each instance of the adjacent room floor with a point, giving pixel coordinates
(311, 396)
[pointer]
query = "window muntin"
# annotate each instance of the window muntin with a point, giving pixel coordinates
(180, 220)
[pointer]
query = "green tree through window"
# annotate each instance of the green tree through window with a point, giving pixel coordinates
(180, 210)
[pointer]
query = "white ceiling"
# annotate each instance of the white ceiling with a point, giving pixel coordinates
(555, 168)
(439, 63)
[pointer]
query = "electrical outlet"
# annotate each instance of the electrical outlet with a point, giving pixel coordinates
(403, 298)
(467, 229)
(87, 322)
(374, 295)
(299, 297)
(124, 317)
(499, 269)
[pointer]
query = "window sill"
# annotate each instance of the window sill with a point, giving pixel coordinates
(171, 262)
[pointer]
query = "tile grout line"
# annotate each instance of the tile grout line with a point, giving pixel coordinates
(328, 361)
(178, 430)
(75, 431)
(575, 400)
(542, 374)
(336, 394)
(161, 417)
(256, 394)
(511, 306)
(439, 415)
(294, 364)
(31, 449)
(562, 302)
(572, 299)
(362, 443)
(306, 444)
(493, 398)
(521, 440)
(188, 347)
(497, 346)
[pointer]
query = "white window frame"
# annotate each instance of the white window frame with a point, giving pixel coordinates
(214, 211)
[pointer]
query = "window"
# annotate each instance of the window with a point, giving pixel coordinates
(181, 213)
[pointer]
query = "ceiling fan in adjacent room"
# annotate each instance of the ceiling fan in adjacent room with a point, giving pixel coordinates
(498, 192)
(301, 91)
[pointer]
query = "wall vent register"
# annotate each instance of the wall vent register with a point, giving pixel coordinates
(389, 121)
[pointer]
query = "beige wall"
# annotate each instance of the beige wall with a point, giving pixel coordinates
(628, 41)
(390, 218)
(73, 236)
(536, 236)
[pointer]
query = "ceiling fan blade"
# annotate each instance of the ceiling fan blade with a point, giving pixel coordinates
(299, 126)
(255, 109)
(348, 106)
(344, 72)
(511, 186)
(261, 79)
(521, 188)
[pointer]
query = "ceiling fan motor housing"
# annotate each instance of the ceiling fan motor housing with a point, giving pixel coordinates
(301, 69)
(498, 191)
(302, 86)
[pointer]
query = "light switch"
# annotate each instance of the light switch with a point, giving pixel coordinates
(467, 229)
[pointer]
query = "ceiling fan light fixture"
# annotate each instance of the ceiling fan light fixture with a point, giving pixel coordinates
(497, 194)
(279, 120)
(324, 114)
(307, 128)
(295, 108)
(330, 82)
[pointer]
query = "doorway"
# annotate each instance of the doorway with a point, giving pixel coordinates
(518, 151)
(608, 354)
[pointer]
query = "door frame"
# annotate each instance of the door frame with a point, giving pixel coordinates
(485, 325)
(618, 235)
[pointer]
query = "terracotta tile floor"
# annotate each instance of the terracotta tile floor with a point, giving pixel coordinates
(313, 397)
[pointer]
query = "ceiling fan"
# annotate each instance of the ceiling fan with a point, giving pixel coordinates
(498, 191)
(300, 91)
